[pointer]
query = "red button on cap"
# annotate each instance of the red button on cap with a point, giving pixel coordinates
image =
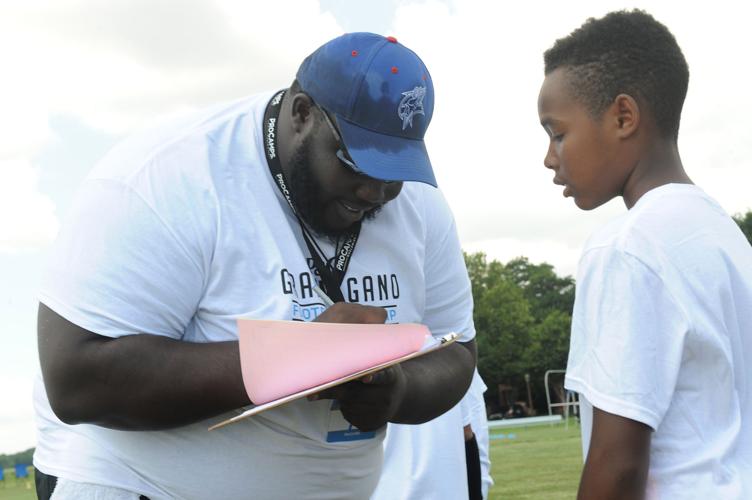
(391, 39)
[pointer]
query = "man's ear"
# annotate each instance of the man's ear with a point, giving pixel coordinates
(301, 113)
(625, 113)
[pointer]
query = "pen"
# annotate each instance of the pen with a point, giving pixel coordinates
(323, 296)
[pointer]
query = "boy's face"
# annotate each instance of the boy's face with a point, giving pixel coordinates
(582, 151)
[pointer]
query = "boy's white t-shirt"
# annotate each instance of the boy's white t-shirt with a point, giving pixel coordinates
(179, 231)
(662, 334)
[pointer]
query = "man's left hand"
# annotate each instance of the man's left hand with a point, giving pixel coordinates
(369, 403)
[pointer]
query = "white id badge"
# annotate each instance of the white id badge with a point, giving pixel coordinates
(341, 430)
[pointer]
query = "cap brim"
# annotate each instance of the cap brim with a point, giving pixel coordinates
(386, 157)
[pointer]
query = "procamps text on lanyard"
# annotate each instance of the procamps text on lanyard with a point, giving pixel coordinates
(331, 271)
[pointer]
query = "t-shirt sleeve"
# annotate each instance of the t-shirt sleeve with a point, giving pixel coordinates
(449, 300)
(628, 337)
(119, 267)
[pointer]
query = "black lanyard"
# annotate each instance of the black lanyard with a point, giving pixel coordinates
(331, 271)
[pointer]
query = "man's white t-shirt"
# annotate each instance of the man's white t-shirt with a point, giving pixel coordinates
(179, 231)
(662, 334)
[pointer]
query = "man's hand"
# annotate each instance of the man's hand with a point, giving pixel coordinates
(411, 392)
(371, 402)
(345, 312)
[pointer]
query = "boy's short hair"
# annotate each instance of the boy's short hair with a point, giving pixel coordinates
(625, 52)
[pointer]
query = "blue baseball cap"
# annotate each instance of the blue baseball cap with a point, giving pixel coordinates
(382, 97)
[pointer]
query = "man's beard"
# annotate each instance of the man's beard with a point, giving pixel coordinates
(307, 195)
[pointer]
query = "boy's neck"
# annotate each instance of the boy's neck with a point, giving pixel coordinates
(659, 164)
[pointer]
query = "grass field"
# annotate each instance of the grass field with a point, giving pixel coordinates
(542, 462)
(17, 489)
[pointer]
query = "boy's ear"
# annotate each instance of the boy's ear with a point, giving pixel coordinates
(626, 115)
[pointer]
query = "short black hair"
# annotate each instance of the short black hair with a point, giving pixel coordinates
(625, 52)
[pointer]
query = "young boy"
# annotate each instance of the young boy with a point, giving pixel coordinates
(661, 347)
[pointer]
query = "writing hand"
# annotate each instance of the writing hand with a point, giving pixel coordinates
(345, 312)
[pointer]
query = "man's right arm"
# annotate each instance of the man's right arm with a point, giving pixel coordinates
(147, 382)
(135, 382)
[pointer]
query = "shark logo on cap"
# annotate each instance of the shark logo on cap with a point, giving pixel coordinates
(411, 105)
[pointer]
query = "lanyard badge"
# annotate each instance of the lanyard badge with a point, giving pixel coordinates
(331, 270)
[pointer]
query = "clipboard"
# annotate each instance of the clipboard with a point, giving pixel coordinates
(427, 345)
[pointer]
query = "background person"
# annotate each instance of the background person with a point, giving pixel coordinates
(429, 460)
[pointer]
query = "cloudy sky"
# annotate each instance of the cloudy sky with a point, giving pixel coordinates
(78, 75)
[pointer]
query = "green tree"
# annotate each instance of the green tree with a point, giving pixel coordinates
(477, 271)
(745, 223)
(543, 288)
(22, 457)
(548, 350)
(549, 344)
(522, 317)
(502, 315)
